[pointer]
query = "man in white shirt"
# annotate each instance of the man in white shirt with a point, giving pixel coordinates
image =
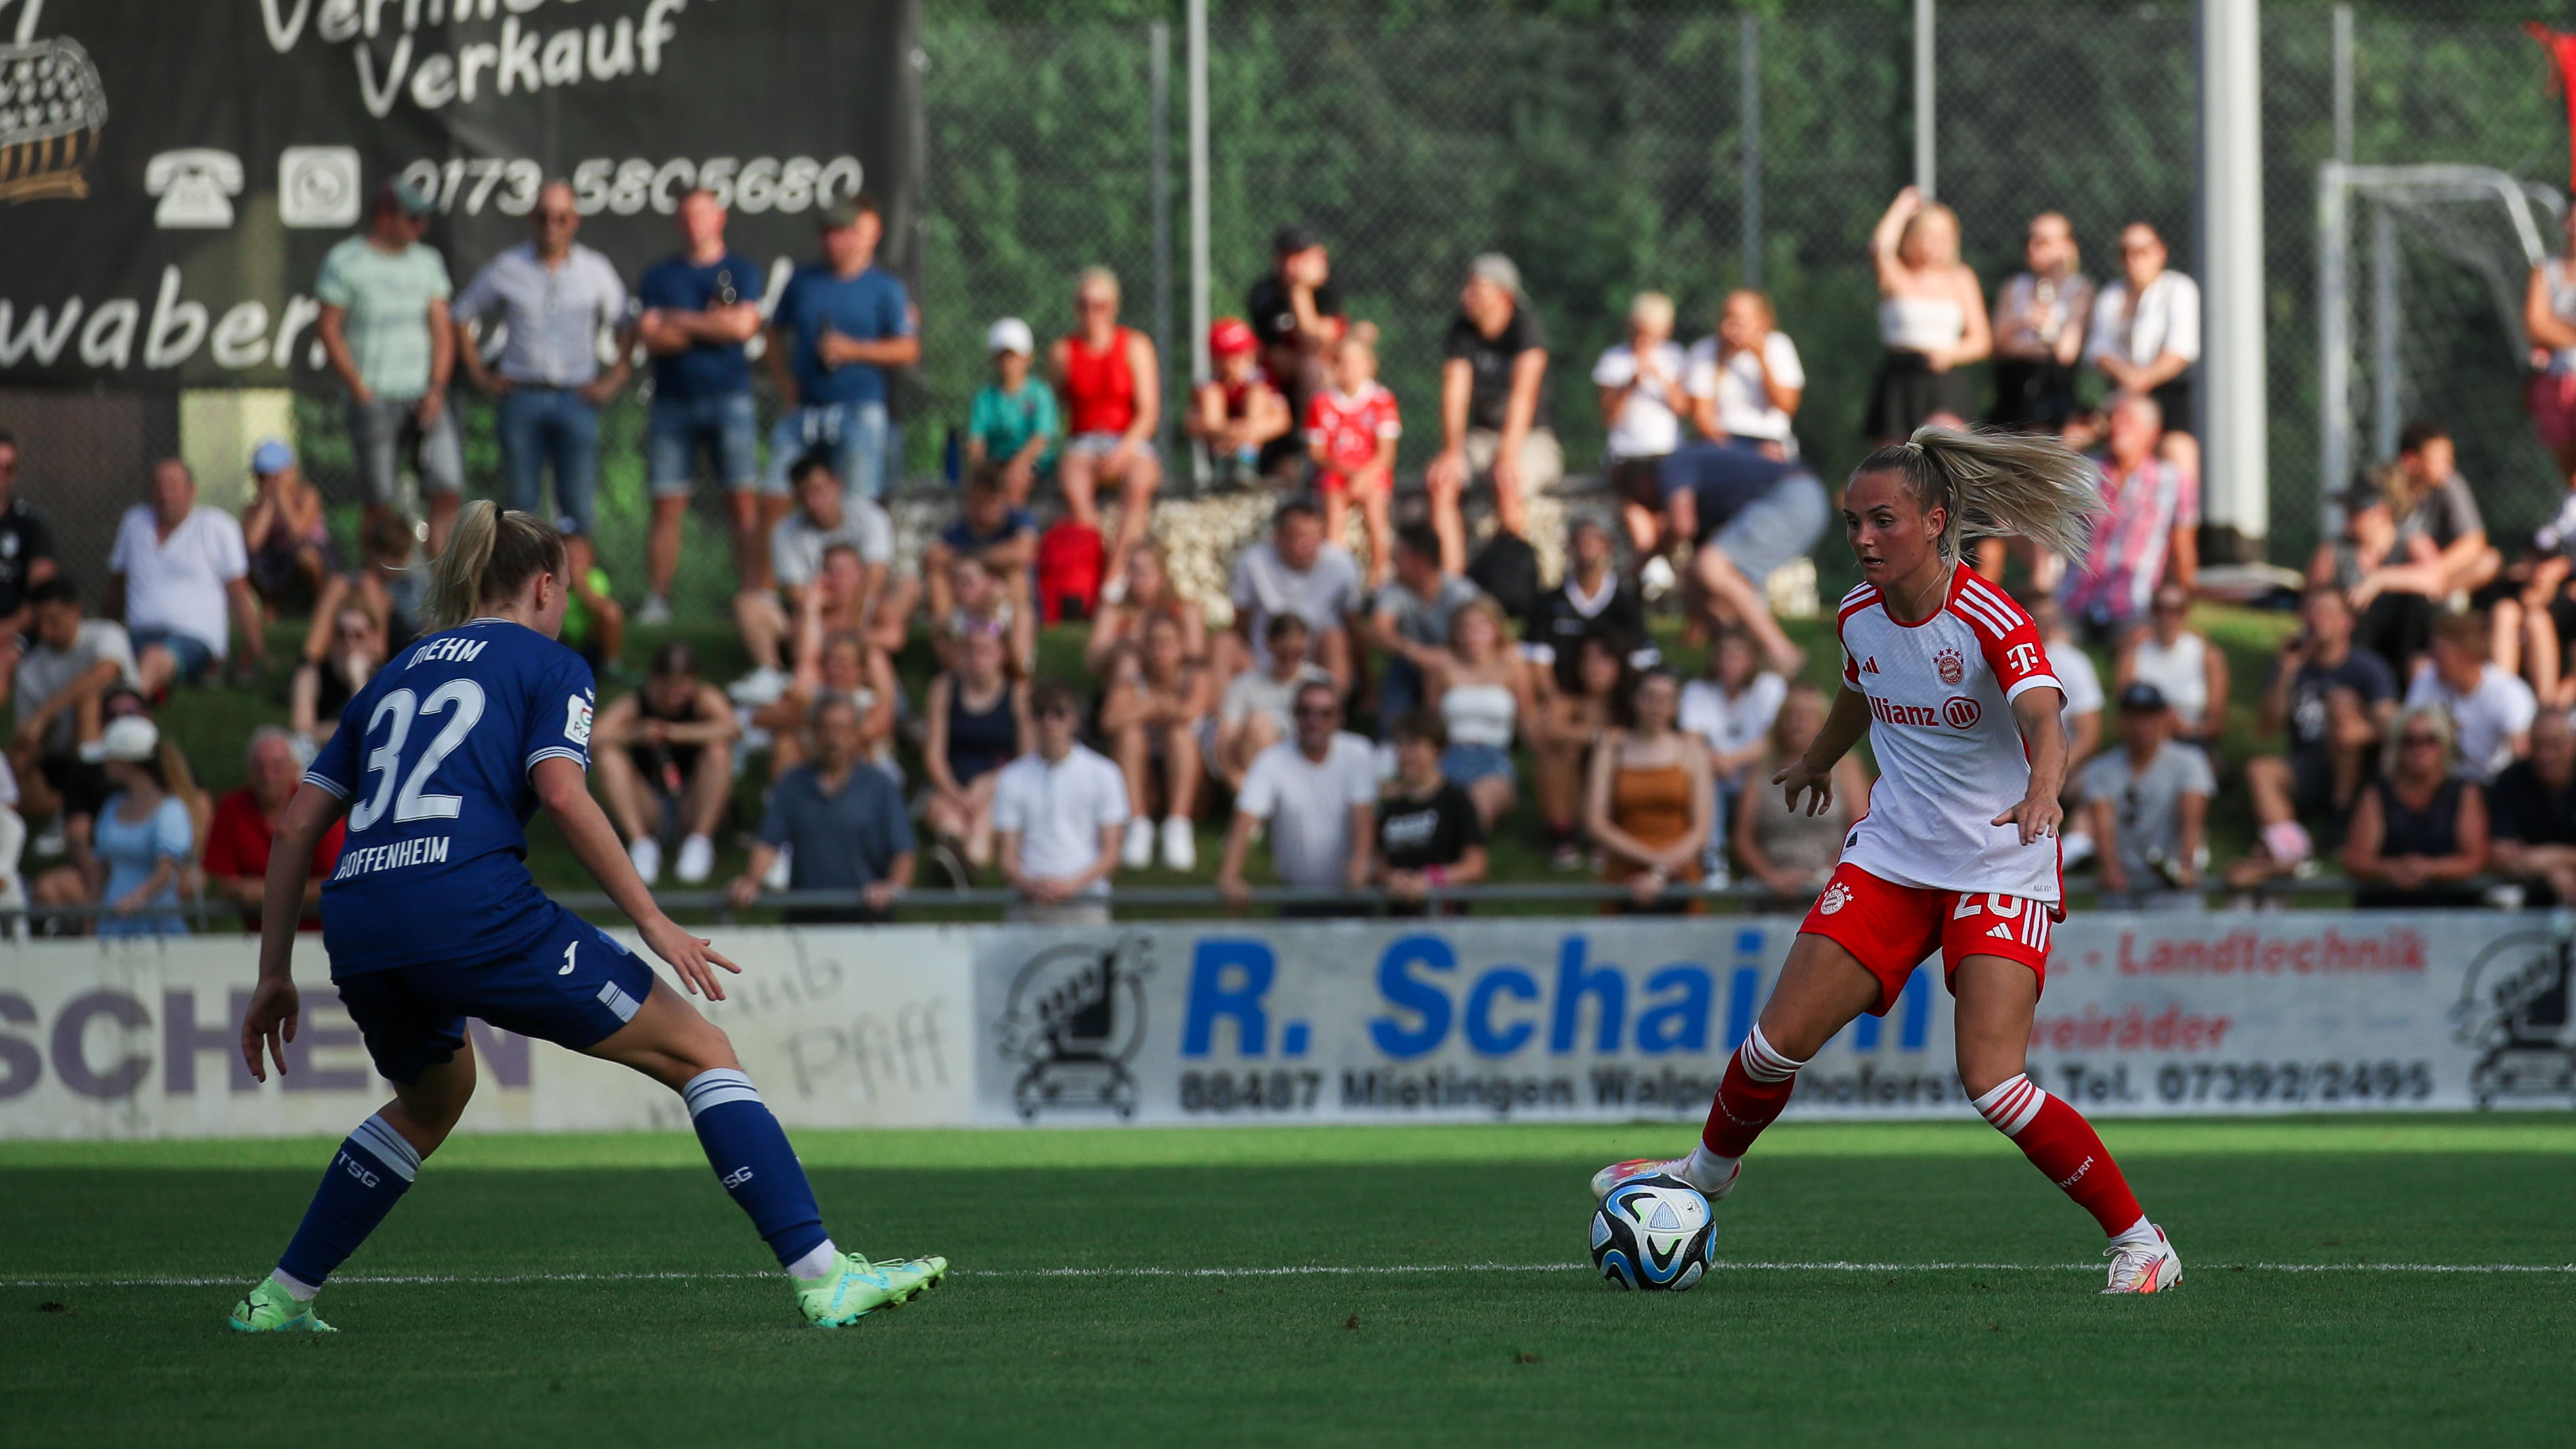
(1318, 795)
(2146, 335)
(176, 571)
(825, 517)
(1059, 811)
(2491, 711)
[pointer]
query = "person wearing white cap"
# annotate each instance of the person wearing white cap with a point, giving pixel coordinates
(1494, 415)
(287, 537)
(144, 837)
(1012, 420)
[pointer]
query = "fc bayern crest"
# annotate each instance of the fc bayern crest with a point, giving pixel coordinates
(1953, 666)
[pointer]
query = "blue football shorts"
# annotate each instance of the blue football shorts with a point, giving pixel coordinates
(574, 986)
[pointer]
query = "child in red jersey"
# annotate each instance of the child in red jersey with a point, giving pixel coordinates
(1351, 428)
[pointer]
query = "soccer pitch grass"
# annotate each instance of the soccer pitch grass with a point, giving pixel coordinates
(1898, 1284)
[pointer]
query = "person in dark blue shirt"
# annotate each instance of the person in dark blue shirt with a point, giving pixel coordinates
(432, 917)
(699, 308)
(840, 324)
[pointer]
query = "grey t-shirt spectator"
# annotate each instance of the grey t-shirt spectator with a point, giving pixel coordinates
(1264, 588)
(46, 671)
(2362, 672)
(555, 313)
(2445, 514)
(1490, 360)
(843, 840)
(796, 546)
(2146, 804)
(1426, 621)
(386, 296)
(1307, 805)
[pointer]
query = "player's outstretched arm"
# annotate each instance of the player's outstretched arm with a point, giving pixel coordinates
(1812, 774)
(565, 792)
(2043, 737)
(270, 1022)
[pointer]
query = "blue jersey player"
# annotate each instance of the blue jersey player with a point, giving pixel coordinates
(431, 917)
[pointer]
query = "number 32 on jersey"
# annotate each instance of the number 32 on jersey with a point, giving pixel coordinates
(461, 702)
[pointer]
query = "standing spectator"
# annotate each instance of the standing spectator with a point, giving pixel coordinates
(177, 571)
(1931, 321)
(827, 515)
(1592, 602)
(1495, 419)
(2532, 810)
(1746, 515)
(594, 623)
(1296, 311)
(2146, 335)
(2148, 802)
(1790, 852)
(1570, 723)
(841, 325)
(1745, 383)
(60, 685)
(2149, 531)
(1059, 810)
(2435, 544)
(989, 529)
(1237, 413)
(1731, 712)
(322, 688)
(2490, 711)
(556, 297)
(1113, 403)
(1317, 793)
(245, 824)
(1297, 572)
(1156, 705)
(2040, 317)
(2419, 833)
(841, 827)
(1642, 398)
(975, 721)
(383, 324)
(2549, 321)
(1351, 427)
(701, 306)
(145, 841)
(1011, 424)
(287, 540)
(1150, 595)
(1410, 619)
(1259, 706)
(664, 754)
(1481, 688)
(2328, 699)
(1649, 802)
(26, 553)
(2184, 666)
(1430, 836)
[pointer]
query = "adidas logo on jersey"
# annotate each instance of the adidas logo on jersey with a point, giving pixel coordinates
(2001, 933)
(1870, 667)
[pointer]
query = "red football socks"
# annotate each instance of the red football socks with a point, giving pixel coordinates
(2062, 1145)
(1756, 1087)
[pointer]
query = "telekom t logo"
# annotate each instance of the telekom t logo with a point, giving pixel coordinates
(2023, 658)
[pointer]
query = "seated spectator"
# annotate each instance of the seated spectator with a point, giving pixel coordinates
(2039, 323)
(1640, 386)
(1650, 802)
(1570, 723)
(1011, 425)
(985, 596)
(1745, 383)
(2419, 833)
(2145, 335)
(990, 530)
(2549, 325)
(2533, 612)
(840, 826)
(386, 584)
(145, 839)
(2490, 711)
(594, 624)
(2148, 805)
(826, 515)
(1429, 834)
(1258, 708)
(61, 685)
(975, 721)
(1058, 811)
(1112, 391)
(1481, 689)
(287, 540)
(1494, 408)
(1150, 595)
(2080, 682)
(2532, 814)
(2435, 544)
(2149, 531)
(1156, 704)
(245, 823)
(842, 666)
(322, 688)
(1236, 413)
(1410, 617)
(1296, 572)
(1296, 310)
(2329, 700)
(1731, 713)
(1931, 321)
(664, 758)
(2187, 669)
(1745, 516)
(178, 570)
(26, 554)
(1592, 602)
(13, 846)
(1351, 428)
(1317, 793)
(1788, 851)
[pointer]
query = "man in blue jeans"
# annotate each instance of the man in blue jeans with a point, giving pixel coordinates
(700, 307)
(840, 324)
(558, 299)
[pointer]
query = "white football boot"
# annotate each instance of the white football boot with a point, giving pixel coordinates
(2143, 1267)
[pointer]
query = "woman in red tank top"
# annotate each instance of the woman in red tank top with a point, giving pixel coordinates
(1112, 394)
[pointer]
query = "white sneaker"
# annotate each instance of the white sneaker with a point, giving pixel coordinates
(697, 859)
(2143, 1267)
(1677, 1167)
(1180, 845)
(1656, 579)
(779, 874)
(760, 688)
(1137, 852)
(647, 855)
(655, 613)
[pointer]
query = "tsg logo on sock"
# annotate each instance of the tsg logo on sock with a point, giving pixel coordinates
(736, 1178)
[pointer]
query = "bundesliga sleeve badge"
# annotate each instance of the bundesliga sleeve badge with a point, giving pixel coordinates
(577, 720)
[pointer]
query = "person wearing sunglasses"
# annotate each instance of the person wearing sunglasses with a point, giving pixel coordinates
(2146, 335)
(2188, 670)
(1317, 793)
(2419, 832)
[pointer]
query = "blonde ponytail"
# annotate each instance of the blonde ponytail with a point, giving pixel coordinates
(490, 556)
(1996, 484)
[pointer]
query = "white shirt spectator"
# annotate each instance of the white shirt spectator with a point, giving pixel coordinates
(1058, 811)
(1307, 806)
(1744, 408)
(796, 546)
(1647, 426)
(2485, 719)
(177, 586)
(2167, 320)
(2078, 679)
(46, 671)
(1732, 726)
(1264, 587)
(555, 314)
(1254, 691)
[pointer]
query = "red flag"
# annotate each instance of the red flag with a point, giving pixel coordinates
(2562, 78)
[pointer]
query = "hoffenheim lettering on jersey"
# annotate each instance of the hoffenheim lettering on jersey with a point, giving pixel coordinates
(434, 757)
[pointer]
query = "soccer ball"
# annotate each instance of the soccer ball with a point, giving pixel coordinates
(1654, 1233)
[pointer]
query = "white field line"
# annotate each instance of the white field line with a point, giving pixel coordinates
(1291, 1271)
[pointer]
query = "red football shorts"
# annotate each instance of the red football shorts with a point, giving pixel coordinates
(1890, 929)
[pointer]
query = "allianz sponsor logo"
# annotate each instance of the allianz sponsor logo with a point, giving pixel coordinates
(1957, 712)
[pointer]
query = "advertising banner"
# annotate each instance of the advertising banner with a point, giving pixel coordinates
(171, 174)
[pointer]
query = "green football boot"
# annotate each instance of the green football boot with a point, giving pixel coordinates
(913, 1277)
(853, 1289)
(271, 1309)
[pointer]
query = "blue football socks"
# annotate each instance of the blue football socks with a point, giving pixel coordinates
(371, 1172)
(749, 1152)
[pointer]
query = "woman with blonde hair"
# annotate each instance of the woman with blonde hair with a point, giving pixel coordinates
(1480, 687)
(2419, 832)
(1112, 390)
(1931, 320)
